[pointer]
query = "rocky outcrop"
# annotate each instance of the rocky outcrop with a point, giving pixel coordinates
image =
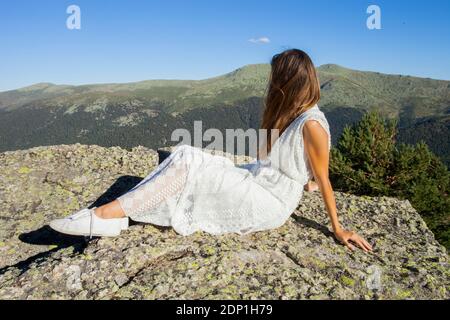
(301, 259)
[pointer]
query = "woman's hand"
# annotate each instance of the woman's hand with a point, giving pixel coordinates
(348, 238)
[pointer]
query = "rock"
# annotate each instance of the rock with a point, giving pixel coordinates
(300, 260)
(73, 282)
(121, 279)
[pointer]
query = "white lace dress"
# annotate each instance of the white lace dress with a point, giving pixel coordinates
(193, 190)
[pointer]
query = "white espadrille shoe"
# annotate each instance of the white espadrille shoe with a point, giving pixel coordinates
(86, 223)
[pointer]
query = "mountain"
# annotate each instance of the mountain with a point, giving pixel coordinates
(299, 260)
(145, 113)
(175, 96)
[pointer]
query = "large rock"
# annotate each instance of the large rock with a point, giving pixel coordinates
(301, 259)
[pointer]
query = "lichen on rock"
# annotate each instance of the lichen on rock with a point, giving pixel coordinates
(299, 260)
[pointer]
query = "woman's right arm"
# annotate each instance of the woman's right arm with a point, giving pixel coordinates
(316, 146)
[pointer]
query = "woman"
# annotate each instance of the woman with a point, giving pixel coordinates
(192, 190)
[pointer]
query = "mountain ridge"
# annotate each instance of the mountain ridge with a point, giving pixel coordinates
(327, 67)
(340, 86)
(146, 112)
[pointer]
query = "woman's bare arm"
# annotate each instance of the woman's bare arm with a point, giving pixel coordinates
(316, 146)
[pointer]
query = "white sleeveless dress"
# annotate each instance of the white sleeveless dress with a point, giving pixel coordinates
(193, 190)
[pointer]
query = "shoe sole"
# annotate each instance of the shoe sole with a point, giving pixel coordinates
(72, 233)
(123, 226)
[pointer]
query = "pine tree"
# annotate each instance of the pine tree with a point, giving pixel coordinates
(368, 161)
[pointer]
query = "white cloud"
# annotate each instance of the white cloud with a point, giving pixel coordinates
(259, 40)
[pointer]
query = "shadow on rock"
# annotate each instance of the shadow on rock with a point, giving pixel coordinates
(118, 188)
(314, 225)
(162, 155)
(47, 236)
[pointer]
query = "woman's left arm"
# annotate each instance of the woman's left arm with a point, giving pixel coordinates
(316, 146)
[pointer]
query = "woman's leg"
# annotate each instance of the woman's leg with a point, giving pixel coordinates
(149, 201)
(160, 185)
(166, 181)
(110, 210)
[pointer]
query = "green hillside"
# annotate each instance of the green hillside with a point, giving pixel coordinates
(145, 112)
(392, 94)
(175, 95)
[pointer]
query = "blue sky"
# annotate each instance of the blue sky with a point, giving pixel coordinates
(123, 41)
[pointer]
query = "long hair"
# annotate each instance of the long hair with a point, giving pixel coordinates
(293, 88)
